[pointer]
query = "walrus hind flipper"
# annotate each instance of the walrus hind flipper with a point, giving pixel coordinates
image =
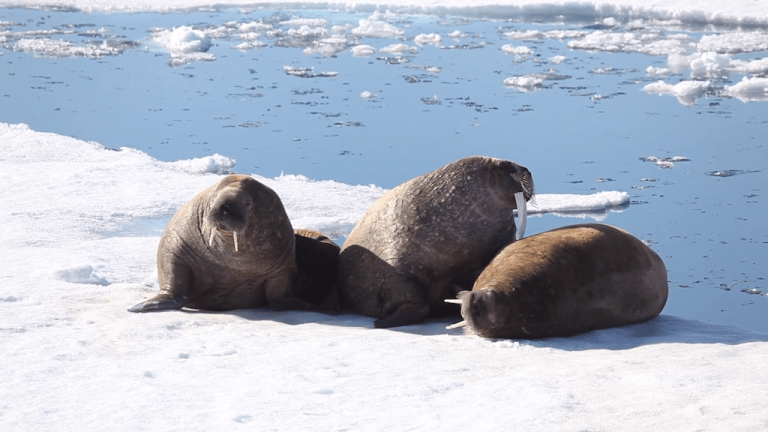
(405, 314)
(159, 303)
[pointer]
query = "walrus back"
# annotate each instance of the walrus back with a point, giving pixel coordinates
(568, 281)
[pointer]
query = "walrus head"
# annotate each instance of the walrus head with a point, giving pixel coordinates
(231, 208)
(485, 312)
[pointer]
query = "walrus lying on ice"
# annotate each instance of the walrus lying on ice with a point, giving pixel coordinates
(231, 247)
(563, 282)
(428, 238)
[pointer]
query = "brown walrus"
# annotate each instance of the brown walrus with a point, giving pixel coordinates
(231, 247)
(563, 282)
(428, 238)
(317, 257)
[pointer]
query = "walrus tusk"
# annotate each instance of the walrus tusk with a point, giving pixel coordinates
(234, 235)
(457, 325)
(454, 301)
(522, 214)
(210, 238)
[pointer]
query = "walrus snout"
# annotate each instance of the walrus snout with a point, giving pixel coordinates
(484, 311)
(230, 213)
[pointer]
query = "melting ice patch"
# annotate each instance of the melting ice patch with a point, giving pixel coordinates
(653, 42)
(714, 65)
(60, 48)
(185, 45)
(524, 83)
(378, 29)
(363, 50)
(749, 90)
(304, 72)
(687, 92)
(399, 49)
(517, 50)
(427, 39)
(665, 162)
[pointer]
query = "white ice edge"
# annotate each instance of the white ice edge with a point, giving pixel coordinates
(735, 12)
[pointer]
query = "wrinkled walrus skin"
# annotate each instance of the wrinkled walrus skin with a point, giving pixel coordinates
(564, 282)
(428, 238)
(231, 247)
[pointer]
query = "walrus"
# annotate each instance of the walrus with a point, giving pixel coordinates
(564, 282)
(427, 239)
(317, 257)
(231, 247)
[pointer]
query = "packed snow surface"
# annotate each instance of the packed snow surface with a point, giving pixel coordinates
(81, 227)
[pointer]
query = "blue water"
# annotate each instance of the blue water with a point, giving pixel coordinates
(583, 132)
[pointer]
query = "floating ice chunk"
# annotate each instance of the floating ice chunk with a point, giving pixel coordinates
(653, 43)
(517, 50)
(611, 22)
(456, 34)
(306, 22)
(594, 206)
(215, 164)
(254, 26)
(687, 92)
(367, 95)
(80, 275)
(307, 72)
(749, 90)
(307, 31)
(710, 64)
(734, 42)
(399, 49)
(427, 39)
(183, 59)
(525, 83)
(245, 46)
(329, 46)
(377, 29)
(363, 50)
(524, 35)
(665, 162)
(183, 40)
(755, 67)
(185, 45)
(62, 48)
(559, 59)
(652, 71)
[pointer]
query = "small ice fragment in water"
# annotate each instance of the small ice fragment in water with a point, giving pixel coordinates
(367, 95)
(362, 50)
(517, 50)
(426, 39)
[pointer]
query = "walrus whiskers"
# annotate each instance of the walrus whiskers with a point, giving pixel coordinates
(522, 214)
(457, 325)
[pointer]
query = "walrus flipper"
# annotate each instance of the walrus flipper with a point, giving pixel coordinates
(405, 314)
(160, 302)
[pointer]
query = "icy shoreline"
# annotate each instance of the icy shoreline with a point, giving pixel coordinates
(742, 13)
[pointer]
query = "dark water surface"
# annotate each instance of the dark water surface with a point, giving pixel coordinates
(590, 128)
